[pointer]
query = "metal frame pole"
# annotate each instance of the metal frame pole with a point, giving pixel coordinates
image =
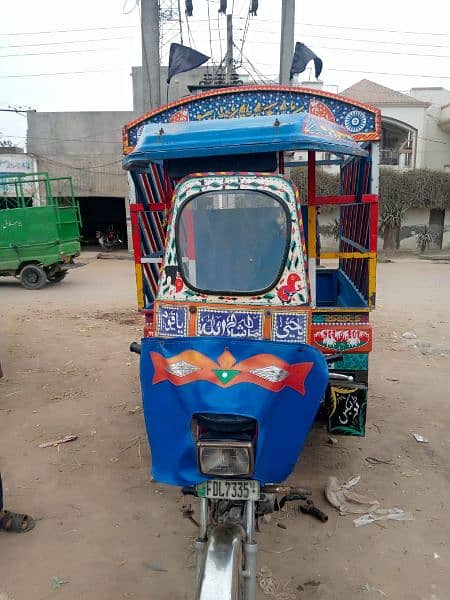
(250, 552)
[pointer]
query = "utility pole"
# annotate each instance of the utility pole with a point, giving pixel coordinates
(229, 61)
(151, 78)
(287, 40)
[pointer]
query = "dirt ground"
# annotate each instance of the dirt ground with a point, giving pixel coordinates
(105, 531)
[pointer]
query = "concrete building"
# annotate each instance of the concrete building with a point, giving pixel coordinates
(88, 147)
(415, 126)
(415, 135)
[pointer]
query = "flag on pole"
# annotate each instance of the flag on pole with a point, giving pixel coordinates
(183, 58)
(302, 56)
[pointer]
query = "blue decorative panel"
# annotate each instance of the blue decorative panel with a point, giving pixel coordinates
(229, 323)
(359, 120)
(290, 327)
(172, 321)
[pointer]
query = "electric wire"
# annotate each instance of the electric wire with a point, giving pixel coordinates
(59, 52)
(345, 39)
(108, 39)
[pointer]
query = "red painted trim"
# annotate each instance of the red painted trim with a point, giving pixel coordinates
(373, 236)
(135, 232)
(350, 199)
(311, 177)
(280, 163)
(261, 88)
(156, 207)
(136, 207)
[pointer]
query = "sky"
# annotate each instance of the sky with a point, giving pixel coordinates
(77, 55)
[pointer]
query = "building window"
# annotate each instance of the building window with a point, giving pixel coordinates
(397, 146)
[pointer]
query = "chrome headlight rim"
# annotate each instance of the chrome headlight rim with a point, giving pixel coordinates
(226, 445)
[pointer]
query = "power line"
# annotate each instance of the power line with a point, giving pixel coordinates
(59, 52)
(62, 164)
(63, 73)
(87, 139)
(380, 73)
(127, 37)
(375, 52)
(327, 37)
(381, 30)
(71, 30)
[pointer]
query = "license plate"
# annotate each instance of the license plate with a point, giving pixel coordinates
(226, 489)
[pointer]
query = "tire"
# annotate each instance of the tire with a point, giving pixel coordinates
(33, 277)
(56, 277)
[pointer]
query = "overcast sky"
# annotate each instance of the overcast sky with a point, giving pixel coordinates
(400, 45)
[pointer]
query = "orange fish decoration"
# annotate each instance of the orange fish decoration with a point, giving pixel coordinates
(264, 370)
(320, 109)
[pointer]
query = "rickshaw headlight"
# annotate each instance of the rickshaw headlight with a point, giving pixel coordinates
(225, 458)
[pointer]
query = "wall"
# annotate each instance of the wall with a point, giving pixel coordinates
(437, 142)
(84, 145)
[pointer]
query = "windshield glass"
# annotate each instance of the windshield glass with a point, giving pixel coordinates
(232, 242)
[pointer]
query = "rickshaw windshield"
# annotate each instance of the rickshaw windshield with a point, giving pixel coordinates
(232, 242)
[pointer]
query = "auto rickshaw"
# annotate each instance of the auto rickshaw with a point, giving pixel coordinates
(252, 332)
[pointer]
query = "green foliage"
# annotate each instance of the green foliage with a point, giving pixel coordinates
(417, 188)
(335, 229)
(391, 215)
(327, 184)
(424, 239)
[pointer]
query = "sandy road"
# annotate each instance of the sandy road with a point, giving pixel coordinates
(106, 529)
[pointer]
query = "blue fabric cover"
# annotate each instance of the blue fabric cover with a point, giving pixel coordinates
(162, 141)
(284, 417)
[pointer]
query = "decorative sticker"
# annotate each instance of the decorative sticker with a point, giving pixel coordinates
(264, 370)
(355, 121)
(342, 338)
(229, 323)
(290, 327)
(320, 109)
(325, 130)
(351, 362)
(172, 321)
(348, 410)
(340, 318)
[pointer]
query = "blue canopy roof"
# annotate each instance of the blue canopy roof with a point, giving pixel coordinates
(219, 137)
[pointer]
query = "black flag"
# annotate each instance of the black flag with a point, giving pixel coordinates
(302, 56)
(183, 58)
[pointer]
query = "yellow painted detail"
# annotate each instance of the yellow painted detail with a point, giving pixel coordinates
(347, 255)
(139, 285)
(312, 233)
(372, 279)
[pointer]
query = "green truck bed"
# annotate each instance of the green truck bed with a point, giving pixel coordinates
(44, 234)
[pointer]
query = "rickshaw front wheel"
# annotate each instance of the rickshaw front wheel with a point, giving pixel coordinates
(33, 277)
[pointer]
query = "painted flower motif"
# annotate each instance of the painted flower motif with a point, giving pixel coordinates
(355, 121)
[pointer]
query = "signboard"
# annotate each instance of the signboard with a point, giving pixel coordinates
(17, 164)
